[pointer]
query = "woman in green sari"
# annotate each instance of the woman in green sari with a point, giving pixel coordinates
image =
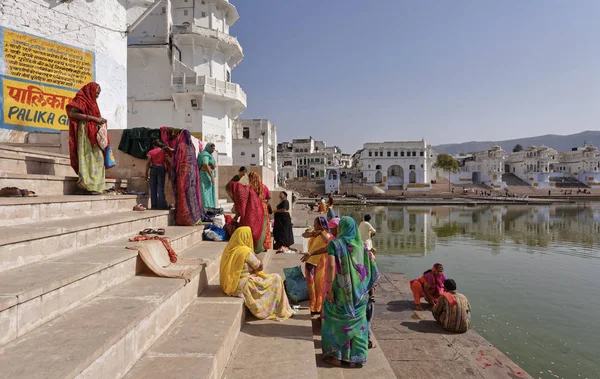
(207, 165)
(351, 273)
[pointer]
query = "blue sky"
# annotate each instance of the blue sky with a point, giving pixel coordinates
(349, 71)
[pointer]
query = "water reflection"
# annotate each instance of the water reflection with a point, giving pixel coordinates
(415, 230)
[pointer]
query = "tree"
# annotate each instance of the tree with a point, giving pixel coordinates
(446, 163)
(517, 148)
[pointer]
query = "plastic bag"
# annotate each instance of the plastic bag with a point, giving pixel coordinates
(295, 284)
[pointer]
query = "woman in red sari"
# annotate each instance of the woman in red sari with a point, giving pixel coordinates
(251, 205)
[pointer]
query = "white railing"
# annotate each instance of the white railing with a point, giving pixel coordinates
(206, 32)
(207, 84)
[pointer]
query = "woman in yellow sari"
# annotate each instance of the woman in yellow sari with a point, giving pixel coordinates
(316, 262)
(241, 275)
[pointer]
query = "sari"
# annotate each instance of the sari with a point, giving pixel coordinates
(86, 154)
(282, 227)
(316, 267)
(344, 329)
(436, 284)
(453, 312)
(240, 276)
(186, 182)
(249, 207)
(209, 199)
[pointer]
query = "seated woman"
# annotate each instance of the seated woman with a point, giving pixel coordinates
(429, 286)
(241, 276)
(452, 309)
(351, 273)
(316, 262)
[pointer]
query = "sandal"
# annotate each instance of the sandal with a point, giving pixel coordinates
(10, 192)
(146, 231)
(139, 208)
(160, 231)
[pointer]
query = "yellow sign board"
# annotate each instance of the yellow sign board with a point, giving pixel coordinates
(39, 78)
(35, 105)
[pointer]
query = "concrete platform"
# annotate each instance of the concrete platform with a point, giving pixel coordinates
(104, 337)
(417, 347)
(37, 293)
(283, 349)
(26, 244)
(22, 210)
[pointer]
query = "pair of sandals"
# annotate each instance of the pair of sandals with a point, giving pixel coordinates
(159, 231)
(290, 250)
(16, 192)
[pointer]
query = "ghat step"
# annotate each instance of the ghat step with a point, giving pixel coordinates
(104, 337)
(26, 244)
(49, 185)
(35, 294)
(26, 161)
(22, 210)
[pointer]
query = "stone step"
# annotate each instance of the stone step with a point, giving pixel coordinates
(30, 150)
(286, 349)
(40, 146)
(25, 162)
(22, 210)
(48, 185)
(35, 294)
(199, 344)
(41, 137)
(104, 337)
(26, 244)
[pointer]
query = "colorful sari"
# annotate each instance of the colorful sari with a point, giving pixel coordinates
(344, 329)
(186, 182)
(87, 157)
(316, 267)
(252, 212)
(239, 275)
(436, 284)
(209, 199)
(453, 312)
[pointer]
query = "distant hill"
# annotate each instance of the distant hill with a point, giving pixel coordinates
(560, 143)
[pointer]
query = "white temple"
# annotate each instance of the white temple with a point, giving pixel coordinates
(180, 58)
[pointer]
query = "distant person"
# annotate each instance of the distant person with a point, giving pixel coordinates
(452, 310)
(430, 285)
(282, 226)
(156, 171)
(241, 176)
(207, 167)
(367, 231)
(323, 206)
(330, 201)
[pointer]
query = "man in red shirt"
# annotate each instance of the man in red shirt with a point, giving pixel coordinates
(156, 171)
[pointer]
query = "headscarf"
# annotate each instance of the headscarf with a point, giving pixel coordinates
(323, 222)
(233, 258)
(207, 155)
(85, 101)
(333, 223)
(434, 281)
(356, 271)
(256, 184)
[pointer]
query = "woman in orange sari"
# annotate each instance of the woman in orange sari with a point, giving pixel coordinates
(316, 262)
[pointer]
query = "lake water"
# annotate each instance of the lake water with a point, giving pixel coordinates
(531, 274)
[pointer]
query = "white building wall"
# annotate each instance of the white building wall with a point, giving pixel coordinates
(96, 26)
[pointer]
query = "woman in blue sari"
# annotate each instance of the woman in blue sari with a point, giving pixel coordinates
(351, 273)
(207, 165)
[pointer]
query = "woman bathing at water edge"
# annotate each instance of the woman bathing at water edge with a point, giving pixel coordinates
(429, 286)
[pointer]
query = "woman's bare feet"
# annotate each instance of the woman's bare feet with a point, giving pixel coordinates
(418, 307)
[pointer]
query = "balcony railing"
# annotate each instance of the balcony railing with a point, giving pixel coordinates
(184, 83)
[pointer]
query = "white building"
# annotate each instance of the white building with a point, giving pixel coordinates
(91, 39)
(582, 163)
(255, 144)
(483, 167)
(180, 59)
(397, 165)
(306, 159)
(535, 166)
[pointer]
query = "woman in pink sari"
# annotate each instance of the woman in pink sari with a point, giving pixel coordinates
(430, 285)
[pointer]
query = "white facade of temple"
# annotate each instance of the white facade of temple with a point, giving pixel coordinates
(535, 165)
(180, 60)
(306, 159)
(483, 167)
(397, 165)
(255, 143)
